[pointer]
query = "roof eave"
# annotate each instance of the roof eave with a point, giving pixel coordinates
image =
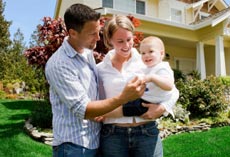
(105, 11)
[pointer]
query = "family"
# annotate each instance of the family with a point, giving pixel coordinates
(108, 109)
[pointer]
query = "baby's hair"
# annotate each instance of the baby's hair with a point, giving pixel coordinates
(154, 39)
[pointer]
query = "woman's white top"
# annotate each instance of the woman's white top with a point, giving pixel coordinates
(113, 82)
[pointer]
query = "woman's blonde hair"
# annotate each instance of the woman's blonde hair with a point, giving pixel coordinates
(118, 21)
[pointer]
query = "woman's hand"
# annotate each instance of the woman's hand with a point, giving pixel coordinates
(154, 111)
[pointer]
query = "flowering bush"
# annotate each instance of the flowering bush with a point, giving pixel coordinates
(51, 35)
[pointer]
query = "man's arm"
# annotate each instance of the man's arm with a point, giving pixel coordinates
(133, 90)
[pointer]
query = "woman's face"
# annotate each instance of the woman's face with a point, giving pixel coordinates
(122, 41)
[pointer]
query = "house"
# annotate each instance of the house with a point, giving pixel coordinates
(196, 33)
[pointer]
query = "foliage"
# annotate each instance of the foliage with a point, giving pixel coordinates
(4, 37)
(194, 74)
(202, 98)
(42, 115)
(52, 33)
(225, 80)
(178, 75)
(181, 114)
(2, 94)
(50, 36)
(16, 66)
(4, 30)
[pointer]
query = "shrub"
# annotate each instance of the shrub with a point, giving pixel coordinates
(181, 114)
(42, 115)
(225, 80)
(178, 75)
(202, 98)
(2, 94)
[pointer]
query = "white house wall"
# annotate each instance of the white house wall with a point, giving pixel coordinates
(167, 5)
(152, 8)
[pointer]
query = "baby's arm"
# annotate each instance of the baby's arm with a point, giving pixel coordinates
(164, 82)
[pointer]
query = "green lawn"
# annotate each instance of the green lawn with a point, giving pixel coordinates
(212, 143)
(14, 141)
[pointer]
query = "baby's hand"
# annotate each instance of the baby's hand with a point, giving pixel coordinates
(142, 77)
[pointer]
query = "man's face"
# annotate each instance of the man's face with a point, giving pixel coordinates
(89, 35)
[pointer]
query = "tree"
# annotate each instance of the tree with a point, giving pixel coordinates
(16, 67)
(4, 37)
(4, 30)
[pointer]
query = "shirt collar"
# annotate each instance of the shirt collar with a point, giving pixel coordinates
(134, 56)
(70, 51)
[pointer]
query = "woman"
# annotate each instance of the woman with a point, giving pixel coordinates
(127, 136)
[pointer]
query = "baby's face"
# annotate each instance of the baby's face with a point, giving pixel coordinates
(151, 53)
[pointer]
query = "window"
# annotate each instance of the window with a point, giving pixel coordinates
(107, 3)
(185, 65)
(130, 6)
(126, 6)
(176, 15)
(140, 7)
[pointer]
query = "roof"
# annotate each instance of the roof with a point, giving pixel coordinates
(215, 18)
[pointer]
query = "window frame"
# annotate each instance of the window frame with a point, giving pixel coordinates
(176, 18)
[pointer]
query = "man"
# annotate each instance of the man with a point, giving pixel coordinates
(72, 76)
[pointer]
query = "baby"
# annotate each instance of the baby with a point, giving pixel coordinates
(158, 76)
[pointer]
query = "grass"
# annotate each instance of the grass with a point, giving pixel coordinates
(212, 143)
(14, 141)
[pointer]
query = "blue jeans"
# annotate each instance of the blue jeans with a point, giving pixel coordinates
(73, 150)
(140, 141)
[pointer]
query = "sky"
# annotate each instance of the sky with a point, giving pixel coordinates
(27, 14)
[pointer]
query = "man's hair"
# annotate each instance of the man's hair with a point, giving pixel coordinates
(77, 15)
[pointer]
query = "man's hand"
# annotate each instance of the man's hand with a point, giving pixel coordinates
(133, 90)
(154, 111)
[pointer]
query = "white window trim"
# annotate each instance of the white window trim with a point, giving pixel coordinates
(203, 14)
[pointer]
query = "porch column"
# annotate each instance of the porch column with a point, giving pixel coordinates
(220, 58)
(200, 61)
